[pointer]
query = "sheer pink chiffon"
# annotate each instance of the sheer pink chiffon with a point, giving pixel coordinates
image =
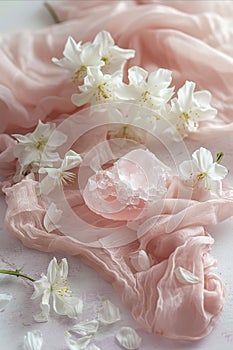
(193, 41)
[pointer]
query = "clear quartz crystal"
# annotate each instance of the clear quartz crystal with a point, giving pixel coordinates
(135, 181)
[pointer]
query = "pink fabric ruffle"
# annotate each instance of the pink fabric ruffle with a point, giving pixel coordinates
(173, 238)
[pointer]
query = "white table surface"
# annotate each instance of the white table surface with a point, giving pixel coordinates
(17, 318)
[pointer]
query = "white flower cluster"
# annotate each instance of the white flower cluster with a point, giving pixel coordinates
(36, 153)
(97, 69)
(54, 284)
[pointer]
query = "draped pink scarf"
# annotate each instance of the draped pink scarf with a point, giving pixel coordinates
(193, 41)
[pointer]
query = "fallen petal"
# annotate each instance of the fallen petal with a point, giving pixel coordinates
(5, 298)
(128, 338)
(51, 218)
(86, 328)
(109, 313)
(80, 344)
(33, 340)
(140, 260)
(93, 347)
(186, 277)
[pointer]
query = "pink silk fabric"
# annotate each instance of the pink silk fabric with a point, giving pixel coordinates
(175, 237)
(195, 42)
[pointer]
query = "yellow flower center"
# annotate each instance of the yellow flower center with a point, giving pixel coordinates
(202, 175)
(40, 144)
(102, 92)
(106, 60)
(79, 74)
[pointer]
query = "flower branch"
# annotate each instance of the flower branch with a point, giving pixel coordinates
(16, 273)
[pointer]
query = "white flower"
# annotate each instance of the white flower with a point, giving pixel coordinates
(189, 109)
(97, 87)
(203, 172)
(33, 340)
(85, 328)
(150, 91)
(140, 260)
(59, 176)
(186, 277)
(54, 285)
(135, 125)
(109, 313)
(101, 53)
(80, 344)
(5, 298)
(37, 148)
(128, 338)
(112, 55)
(52, 217)
(78, 56)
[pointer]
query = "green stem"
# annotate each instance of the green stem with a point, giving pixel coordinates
(52, 12)
(219, 157)
(17, 274)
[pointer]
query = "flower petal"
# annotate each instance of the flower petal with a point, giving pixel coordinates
(185, 95)
(217, 172)
(85, 328)
(203, 158)
(93, 347)
(47, 184)
(43, 316)
(188, 168)
(203, 97)
(57, 139)
(186, 277)
(81, 99)
(104, 38)
(40, 286)
(128, 338)
(5, 298)
(161, 77)
(63, 268)
(33, 340)
(109, 313)
(71, 160)
(52, 217)
(140, 260)
(70, 306)
(80, 344)
(52, 271)
(137, 75)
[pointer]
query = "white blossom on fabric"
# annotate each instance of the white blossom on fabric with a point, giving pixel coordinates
(203, 172)
(148, 90)
(37, 148)
(101, 53)
(132, 125)
(54, 284)
(59, 176)
(188, 109)
(98, 87)
(112, 55)
(77, 57)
